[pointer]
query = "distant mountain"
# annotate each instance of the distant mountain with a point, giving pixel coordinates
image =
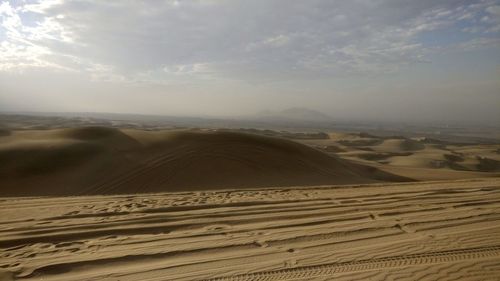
(295, 114)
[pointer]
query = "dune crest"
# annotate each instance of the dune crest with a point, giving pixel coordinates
(95, 160)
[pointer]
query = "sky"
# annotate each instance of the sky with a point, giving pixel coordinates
(380, 60)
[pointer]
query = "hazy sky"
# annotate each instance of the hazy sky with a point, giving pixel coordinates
(425, 60)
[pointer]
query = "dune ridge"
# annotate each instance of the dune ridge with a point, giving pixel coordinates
(418, 158)
(98, 160)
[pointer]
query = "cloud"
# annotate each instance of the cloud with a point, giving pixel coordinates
(272, 42)
(494, 10)
(245, 40)
(26, 46)
(479, 43)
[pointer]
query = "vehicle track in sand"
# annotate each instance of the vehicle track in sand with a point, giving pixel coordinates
(306, 272)
(417, 231)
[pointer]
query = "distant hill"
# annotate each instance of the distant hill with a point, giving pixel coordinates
(295, 114)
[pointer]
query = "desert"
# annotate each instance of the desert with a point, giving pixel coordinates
(90, 202)
(444, 230)
(87, 160)
(218, 140)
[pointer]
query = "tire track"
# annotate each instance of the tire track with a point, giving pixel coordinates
(131, 174)
(314, 233)
(367, 265)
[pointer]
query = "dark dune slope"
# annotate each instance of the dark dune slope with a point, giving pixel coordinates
(108, 161)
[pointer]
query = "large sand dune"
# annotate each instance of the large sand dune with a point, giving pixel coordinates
(413, 231)
(98, 160)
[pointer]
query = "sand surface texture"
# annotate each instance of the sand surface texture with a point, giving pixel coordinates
(99, 160)
(446, 230)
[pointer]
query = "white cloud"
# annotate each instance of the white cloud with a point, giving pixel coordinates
(41, 6)
(25, 46)
(478, 43)
(247, 40)
(276, 41)
(494, 10)
(187, 69)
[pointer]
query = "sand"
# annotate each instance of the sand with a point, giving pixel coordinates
(105, 160)
(420, 159)
(204, 204)
(99, 160)
(448, 230)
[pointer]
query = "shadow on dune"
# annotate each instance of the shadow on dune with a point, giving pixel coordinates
(96, 160)
(4, 132)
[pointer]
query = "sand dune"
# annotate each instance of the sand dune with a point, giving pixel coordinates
(97, 160)
(4, 132)
(399, 145)
(208, 216)
(418, 158)
(411, 231)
